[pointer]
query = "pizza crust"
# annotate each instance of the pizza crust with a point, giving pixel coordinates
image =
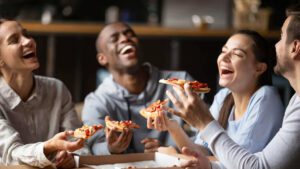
(119, 126)
(180, 83)
(153, 109)
(86, 131)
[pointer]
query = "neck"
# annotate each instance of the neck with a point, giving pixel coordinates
(293, 78)
(134, 83)
(241, 101)
(22, 84)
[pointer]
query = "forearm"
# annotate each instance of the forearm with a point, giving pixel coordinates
(31, 154)
(180, 138)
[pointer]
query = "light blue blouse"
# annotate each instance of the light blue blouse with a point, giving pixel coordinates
(260, 123)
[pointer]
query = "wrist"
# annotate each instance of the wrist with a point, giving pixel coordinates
(173, 126)
(49, 147)
(203, 123)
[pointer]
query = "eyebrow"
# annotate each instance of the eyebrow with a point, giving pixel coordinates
(122, 31)
(13, 35)
(240, 50)
(235, 49)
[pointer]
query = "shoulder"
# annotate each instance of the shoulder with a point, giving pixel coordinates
(266, 93)
(266, 100)
(44, 81)
(178, 74)
(221, 94)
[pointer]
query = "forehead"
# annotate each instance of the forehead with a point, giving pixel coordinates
(9, 27)
(239, 41)
(113, 29)
(285, 24)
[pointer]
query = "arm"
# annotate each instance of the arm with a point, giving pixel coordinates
(163, 123)
(94, 111)
(13, 151)
(231, 155)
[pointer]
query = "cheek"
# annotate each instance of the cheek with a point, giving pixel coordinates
(244, 69)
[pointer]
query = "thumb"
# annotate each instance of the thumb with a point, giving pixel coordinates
(144, 141)
(189, 152)
(177, 113)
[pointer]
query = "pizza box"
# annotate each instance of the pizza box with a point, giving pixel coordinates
(156, 160)
(115, 161)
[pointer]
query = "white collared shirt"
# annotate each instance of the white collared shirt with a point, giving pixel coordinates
(24, 126)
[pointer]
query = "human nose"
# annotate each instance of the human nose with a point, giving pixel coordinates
(225, 56)
(123, 38)
(27, 41)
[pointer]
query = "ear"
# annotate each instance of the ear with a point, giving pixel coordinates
(1, 62)
(295, 50)
(261, 68)
(102, 59)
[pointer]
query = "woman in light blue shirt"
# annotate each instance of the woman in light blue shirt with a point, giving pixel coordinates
(248, 108)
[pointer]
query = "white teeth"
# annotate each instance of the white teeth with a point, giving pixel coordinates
(125, 49)
(27, 53)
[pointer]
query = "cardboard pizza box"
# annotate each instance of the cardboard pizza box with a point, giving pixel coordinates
(87, 162)
(138, 160)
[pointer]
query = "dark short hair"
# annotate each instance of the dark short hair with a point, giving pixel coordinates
(293, 29)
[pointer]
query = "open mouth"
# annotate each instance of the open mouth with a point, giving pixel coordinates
(29, 55)
(226, 71)
(127, 49)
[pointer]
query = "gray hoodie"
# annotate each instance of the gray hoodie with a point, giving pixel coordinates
(114, 100)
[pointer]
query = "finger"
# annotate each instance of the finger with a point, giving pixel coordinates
(151, 150)
(125, 136)
(108, 134)
(150, 123)
(107, 118)
(156, 123)
(69, 162)
(189, 152)
(60, 156)
(165, 120)
(188, 90)
(73, 146)
(189, 164)
(177, 113)
(126, 139)
(181, 93)
(145, 140)
(173, 99)
(151, 144)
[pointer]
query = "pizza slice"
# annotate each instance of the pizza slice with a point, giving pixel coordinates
(86, 131)
(196, 86)
(120, 125)
(153, 109)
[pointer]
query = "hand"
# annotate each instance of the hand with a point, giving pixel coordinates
(60, 142)
(192, 109)
(200, 161)
(160, 122)
(117, 143)
(64, 160)
(151, 145)
(167, 150)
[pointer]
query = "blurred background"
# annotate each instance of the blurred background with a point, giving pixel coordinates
(175, 34)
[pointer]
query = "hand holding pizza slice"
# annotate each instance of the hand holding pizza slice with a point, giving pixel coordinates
(153, 109)
(120, 125)
(196, 86)
(86, 131)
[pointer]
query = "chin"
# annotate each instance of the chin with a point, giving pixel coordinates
(36, 66)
